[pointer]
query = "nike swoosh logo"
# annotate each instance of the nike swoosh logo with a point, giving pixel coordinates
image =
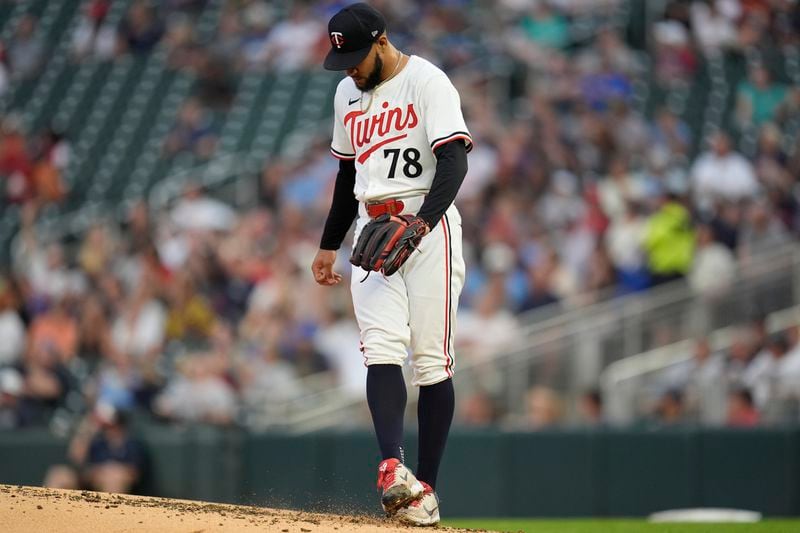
(430, 511)
(351, 102)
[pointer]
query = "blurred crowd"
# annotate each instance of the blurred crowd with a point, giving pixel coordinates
(204, 312)
(754, 381)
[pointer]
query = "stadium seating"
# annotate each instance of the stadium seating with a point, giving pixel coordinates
(117, 114)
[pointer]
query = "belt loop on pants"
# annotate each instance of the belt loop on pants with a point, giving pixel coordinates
(391, 206)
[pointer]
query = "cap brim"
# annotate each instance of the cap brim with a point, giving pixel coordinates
(345, 60)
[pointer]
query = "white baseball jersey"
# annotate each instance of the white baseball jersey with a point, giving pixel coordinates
(391, 132)
(392, 140)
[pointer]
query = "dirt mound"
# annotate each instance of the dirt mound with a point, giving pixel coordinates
(27, 509)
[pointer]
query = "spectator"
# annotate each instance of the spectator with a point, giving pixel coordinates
(478, 410)
(104, 456)
(183, 52)
(703, 378)
(198, 393)
(540, 288)
(675, 60)
(669, 241)
(543, 408)
(713, 266)
(669, 136)
(97, 251)
(15, 413)
(257, 19)
(713, 24)
(12, 329)
(761, 232)
(670, 410)
(605, 88)
(93, 37)
(590, 408)
(55, 331)
(740, 355)
(758, 98)
(46, 383)
(702, 370)
(722, 174)
(266, 382)
(25, 50)
(140, 30)
(192, 133)
(294, 43)
(196, 211)
(765, 370)
(770, 165)
(624, 241)
(741, 411)
(138, 329)
(337, 341)
(545, 26)
(488, 328)
(190, 318)
(620, 189)
(94, 333)
(16, 165)
(227, 43)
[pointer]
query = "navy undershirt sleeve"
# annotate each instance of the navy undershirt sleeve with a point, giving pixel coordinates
(344, 207)
(451, 167)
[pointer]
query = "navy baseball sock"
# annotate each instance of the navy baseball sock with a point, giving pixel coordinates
(386, 396)
(435, 413)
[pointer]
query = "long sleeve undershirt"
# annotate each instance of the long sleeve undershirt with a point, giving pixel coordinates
(451, 167)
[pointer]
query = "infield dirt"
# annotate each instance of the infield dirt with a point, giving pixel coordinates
(32, 509)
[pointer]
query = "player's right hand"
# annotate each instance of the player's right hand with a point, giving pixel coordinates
(322, 268)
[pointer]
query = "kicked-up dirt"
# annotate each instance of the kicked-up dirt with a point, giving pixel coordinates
(33, 510)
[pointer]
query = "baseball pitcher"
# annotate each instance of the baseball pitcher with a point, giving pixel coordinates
(402, 144)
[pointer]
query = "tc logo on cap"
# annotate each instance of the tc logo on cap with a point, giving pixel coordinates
(337, 39)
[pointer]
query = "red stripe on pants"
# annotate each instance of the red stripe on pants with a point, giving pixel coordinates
(447, 296)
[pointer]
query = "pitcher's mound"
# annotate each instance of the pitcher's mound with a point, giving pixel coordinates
(28, 509)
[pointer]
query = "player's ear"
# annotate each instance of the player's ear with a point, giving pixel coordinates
(382, 41)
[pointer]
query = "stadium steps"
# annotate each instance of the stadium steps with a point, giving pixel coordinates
(148, 164)
(86, 84)
(106, 105)
(122, 185)
(301, 124)
(54, 23)
(253, 87)
(275, 119)
(143, 164)
(121, 137)
(54, 90)
(14, 15)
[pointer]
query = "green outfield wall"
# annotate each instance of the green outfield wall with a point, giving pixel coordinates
(564, 473)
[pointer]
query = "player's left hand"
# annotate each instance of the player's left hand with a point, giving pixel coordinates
(322, 268)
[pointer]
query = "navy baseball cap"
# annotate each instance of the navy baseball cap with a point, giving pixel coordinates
(352, 32)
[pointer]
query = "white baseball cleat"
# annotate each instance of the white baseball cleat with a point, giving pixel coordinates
(398, 484)
(421, 512)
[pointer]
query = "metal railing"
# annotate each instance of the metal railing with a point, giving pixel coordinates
(569, 352)
(628, 384)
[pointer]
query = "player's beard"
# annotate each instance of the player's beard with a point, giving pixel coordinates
(374, 77)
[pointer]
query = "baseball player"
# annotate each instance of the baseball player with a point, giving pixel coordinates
(402, 144)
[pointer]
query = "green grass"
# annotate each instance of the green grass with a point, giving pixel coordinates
(618, 526)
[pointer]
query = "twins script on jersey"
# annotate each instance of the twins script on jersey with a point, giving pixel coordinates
(392, 131)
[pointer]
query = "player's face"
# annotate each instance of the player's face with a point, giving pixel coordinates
(367, 74)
